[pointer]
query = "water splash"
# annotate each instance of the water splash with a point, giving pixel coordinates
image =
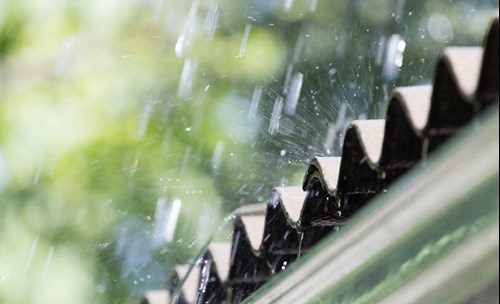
(331, 75)
(283, 267)
(425, 152)
(235, 241)
(301, 239)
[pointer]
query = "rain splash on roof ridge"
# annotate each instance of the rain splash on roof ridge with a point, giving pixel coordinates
(267, 237)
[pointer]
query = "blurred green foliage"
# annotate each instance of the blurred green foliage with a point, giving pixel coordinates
(108, 107)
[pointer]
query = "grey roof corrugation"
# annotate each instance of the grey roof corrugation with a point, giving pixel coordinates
(268, 237)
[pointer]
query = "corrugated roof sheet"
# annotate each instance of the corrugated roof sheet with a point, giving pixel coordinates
(268, 237)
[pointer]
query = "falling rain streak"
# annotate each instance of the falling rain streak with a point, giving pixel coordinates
(144, 119)
(211, 21)
(288, 78)
(275, 117)
(161, 214)
(294, 93)
(47, 262)
(254, 106)
(313, 5)
(4, 176)
(244, 41)
(187, 35)
(287, 5)
(187, 79)
(330, 138)
(31, 252)
(158, 9)
(64, 58)
(185, 160)
(166, 217)
(172, 220)
(334, 128)
(393, 56)
(217, 156)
